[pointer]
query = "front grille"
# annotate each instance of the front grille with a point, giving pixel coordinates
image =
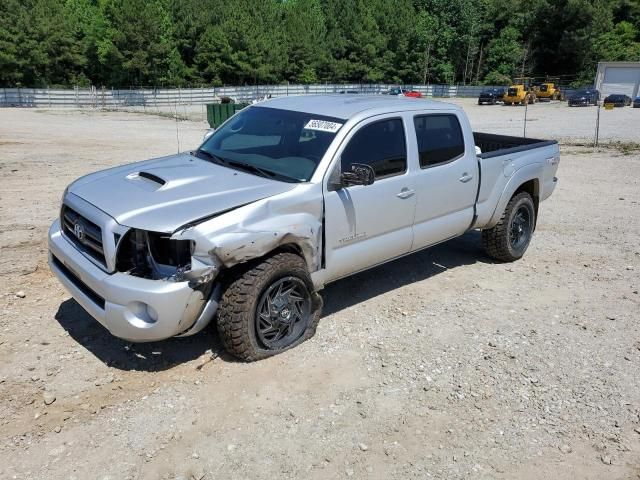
(85, 235)
(83, 287)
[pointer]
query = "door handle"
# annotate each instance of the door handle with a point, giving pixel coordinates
(465, 177)
(405, 193)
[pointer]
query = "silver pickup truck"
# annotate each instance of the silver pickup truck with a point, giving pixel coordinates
(285, 197)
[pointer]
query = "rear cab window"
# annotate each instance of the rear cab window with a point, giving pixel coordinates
(439, 138)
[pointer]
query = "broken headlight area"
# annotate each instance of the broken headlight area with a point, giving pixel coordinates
(157, 256)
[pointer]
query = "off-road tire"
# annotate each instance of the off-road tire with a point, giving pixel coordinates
(236, 317)
(497, 240)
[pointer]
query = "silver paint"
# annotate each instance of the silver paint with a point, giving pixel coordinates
(233, 216)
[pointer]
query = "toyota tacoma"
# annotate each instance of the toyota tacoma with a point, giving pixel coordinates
(285, 197)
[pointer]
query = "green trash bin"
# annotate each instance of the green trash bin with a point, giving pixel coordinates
(217, 113)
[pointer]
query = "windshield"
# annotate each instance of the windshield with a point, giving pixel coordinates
(280, 144)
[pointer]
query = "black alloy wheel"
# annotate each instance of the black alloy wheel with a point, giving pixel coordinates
(521, 228)
(283, 313)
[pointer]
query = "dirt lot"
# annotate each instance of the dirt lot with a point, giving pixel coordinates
(440, 365)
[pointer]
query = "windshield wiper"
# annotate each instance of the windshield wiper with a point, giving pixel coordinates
(263, 172)
(251, 168)
(210, 156)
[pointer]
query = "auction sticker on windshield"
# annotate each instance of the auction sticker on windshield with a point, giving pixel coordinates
(323, 126)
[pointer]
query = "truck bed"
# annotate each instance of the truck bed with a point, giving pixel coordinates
(505, 158)
(493, 145)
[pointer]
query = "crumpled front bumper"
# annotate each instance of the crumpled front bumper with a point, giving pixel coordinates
(132, 308)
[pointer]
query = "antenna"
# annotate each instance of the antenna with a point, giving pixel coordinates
(177, 132)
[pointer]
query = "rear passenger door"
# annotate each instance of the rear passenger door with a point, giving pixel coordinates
(446, 181)
(366, 225)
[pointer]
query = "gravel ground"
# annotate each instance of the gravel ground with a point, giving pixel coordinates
(440, 365)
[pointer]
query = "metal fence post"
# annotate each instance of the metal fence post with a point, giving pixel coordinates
(524, 132)
(595, 143)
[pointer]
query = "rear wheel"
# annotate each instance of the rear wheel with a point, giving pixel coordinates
(510, 237)
(268, 308)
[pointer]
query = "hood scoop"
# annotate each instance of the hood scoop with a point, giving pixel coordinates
(161, 195)
(147, 180)
(152, 177)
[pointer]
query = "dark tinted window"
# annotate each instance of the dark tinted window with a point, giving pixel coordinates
(381, 145)
(439, 139)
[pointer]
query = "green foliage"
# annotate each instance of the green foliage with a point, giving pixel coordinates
(504, 54)
(619, 43)
(216, 42)
(497, 78)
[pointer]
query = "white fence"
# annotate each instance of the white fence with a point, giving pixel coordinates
(108, 98)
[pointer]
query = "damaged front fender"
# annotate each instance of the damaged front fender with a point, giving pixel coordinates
(252, 231)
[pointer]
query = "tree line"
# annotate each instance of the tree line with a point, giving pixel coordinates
(173, 43)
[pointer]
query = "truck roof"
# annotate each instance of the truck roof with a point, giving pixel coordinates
(348, 106)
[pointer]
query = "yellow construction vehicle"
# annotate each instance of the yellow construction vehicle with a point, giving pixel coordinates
(519, 94)
(548, 90)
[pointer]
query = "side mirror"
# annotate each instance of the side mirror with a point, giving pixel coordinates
(208, 133)
(360, 174)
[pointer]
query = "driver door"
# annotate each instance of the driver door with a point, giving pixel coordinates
(368, 225)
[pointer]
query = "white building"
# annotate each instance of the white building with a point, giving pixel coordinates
(618, 77)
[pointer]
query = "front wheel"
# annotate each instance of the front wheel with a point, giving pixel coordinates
(268, 308)
(510, 237)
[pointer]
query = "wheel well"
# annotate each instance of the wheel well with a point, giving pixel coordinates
(240, 268)
(532, 187)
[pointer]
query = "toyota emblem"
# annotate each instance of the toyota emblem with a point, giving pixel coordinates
(78, 231)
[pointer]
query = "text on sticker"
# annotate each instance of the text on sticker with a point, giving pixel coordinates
(322, 125)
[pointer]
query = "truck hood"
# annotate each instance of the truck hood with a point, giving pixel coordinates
(163, 194)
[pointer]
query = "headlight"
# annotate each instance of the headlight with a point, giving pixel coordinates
(157, 256)
(153, 255)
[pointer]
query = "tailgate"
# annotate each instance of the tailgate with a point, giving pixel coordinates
(551, 164)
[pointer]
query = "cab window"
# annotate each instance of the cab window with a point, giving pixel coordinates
(381, 145)
(439, 139)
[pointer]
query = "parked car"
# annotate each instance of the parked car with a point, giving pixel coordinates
(402, 92)
(636, 102)
(584, 97)
(285, 197)
(618, 100)
(491, 96)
